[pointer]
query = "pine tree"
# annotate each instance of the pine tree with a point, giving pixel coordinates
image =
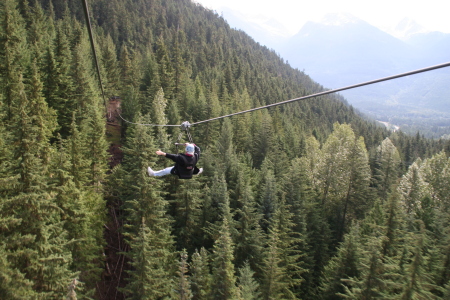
(418, 282)
(371, 283)
(274, 285)
(37, 241)
(213, 109)
(282, 265)
(250, 237)
(159, 117)
(110, 65)
(58, 84)
(387, 166)
(13, 283)
(150, 242)
(39, 31)
(83, 213)
(435, 173)
(165, 68)
(262, 138)
(13, 53)
(268, 196)
(345, 176)
(77, 149)
(413, 188)
(223, 278)
(344, 265)
(186, 203)
(183, 291)
(200, 278)
(248, 286)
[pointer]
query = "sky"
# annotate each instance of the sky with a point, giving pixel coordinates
(293, 14)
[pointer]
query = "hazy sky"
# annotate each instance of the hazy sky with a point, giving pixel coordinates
(432, 14)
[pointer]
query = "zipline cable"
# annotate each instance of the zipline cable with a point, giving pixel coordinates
(89, 27)
(144, 124)
(331, 91)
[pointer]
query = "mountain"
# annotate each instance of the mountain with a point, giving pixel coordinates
(266, 31)
(342, 47)
(342, 50)
(407, 28)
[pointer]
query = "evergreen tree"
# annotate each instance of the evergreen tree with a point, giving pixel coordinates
(344, 265)
(13, 53)
(345, 177)
(83, 213)
(372, 282)
(37, 242)
(187, 204)
(435, 173)
(110, 66)
(418, 282)
(223, 278)
(200, 278)
(165, 68)
(387, 167)
(183, 291)
(248, 286)
(282, 265)
(58, 84)
(150, 242)
(413, 188)
(250, 238)
(274, 284)
(159, 117)
(268, 196)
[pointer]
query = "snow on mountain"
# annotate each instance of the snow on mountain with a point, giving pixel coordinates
(267, 31)
(339, 19)
(406, 28)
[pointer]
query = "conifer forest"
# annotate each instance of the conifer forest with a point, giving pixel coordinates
(307, 200)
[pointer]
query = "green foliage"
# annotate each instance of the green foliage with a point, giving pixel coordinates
(201, 277)
(294, 202)
(248, 286)
(223, 275)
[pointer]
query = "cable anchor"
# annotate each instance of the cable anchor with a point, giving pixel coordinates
(185, 126)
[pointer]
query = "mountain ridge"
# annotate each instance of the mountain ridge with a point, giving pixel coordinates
(342, 50)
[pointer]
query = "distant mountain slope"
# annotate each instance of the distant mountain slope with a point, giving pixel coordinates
(342, 50)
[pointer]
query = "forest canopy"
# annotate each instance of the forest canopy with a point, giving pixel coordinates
(308, 200)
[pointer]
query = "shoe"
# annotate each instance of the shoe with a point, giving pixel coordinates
(150, 172)
(200, 171)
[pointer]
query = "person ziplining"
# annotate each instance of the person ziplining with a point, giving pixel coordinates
(185, 163)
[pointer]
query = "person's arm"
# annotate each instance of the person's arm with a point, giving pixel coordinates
(167, 155)
(159, 152)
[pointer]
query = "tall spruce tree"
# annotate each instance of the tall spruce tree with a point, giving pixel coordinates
(250, 237)
(282, 265)
(387, 167)
(418, 283)
(13, 53)
(200, 275)
(187, 211)
(344, 265)
(413, 188)
(183, 291)
(37, 242)
(223, 278)
(58, 84)
(248, 286)
(148, 229)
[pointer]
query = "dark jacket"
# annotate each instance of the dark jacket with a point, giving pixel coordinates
(185, 163)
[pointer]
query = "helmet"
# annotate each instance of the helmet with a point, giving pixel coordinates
(190, 149)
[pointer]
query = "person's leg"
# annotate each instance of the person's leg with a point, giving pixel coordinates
(162, 172)
(198, 171)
